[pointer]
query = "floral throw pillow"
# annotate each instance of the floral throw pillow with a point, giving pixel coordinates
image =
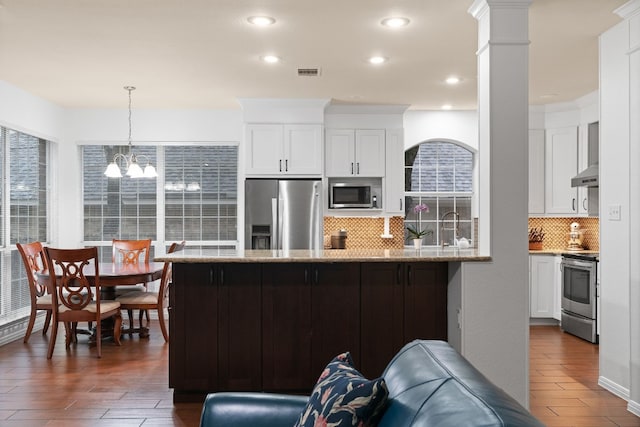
(343, 397)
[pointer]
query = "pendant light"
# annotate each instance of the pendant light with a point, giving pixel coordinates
(131, 160)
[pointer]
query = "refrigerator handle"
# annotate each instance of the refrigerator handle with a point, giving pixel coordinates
(275, 229)
(316, 222)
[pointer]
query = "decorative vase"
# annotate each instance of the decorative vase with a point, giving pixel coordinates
(417, 243)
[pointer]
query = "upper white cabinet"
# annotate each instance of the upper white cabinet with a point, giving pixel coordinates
(355, 152)
(536, 171)
(276, 149)
(393, 201)
(561, 164)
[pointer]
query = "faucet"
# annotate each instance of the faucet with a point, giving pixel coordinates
(456, 219)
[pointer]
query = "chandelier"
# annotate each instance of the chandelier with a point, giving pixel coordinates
(131, 160)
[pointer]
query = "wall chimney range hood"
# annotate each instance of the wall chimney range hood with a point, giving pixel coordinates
(586, 178)
(589, 176)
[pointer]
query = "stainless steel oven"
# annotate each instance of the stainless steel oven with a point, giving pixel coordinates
(579, 295)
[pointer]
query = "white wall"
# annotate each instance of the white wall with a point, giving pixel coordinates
(22, 111)
(421, 126)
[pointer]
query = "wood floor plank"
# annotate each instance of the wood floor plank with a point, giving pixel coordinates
(128, 386)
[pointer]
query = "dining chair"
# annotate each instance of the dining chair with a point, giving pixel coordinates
(77, 299)
(131, 252)
(153, 300)
(34, 261)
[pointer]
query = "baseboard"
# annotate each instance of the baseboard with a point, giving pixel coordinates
(542, 321)
(614, 388)
(16, 329)
(633, 407)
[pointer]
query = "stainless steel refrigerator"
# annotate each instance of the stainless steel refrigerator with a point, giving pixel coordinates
(283, 214)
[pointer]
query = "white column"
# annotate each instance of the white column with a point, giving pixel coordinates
(495, 295)
(628, 101)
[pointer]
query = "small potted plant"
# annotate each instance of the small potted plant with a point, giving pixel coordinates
(415, 233)
(536, 236)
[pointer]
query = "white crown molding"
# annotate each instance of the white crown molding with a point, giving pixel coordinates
(366, 109)
(628, 10)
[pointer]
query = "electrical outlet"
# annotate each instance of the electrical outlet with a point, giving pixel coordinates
(614, 212)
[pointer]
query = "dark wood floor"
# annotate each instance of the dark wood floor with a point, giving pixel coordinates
(563, 386)
(129, 385)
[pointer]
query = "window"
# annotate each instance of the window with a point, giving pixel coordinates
(439, 174)
(198, 202)
(24, 199)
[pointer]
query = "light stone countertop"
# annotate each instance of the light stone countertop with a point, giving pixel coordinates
(429, 254)
(562, 252)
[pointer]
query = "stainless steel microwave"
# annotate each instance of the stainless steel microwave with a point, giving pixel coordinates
(354, 195)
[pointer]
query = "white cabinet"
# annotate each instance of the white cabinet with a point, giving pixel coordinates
(276, 149)
(536, 171)
(542, 286)
(557, 287)
(561, 164)
(393, 201)
(355, 152)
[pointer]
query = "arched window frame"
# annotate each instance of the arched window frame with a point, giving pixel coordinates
(459, 200)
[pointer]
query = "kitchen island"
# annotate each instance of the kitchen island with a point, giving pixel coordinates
(271, 320)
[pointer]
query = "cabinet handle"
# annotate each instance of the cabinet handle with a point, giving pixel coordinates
(211, 276)
(306, 276)
(317, 276)
(358, 168)
(280, 167)
(584, 204)
(222, 276)
(286, 165)
(408, 275)
(573, 204)
(398, 274)
(401, 204)
(351, 168)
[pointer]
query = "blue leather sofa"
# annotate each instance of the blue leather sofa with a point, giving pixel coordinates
(430, 384)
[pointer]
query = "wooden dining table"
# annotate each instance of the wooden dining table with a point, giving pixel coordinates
(113, 275)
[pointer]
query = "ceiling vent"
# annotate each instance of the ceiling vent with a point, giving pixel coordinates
(309, 72)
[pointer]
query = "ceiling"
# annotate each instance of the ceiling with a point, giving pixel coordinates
(204, 54)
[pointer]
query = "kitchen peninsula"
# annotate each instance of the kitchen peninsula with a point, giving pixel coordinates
(271, 320)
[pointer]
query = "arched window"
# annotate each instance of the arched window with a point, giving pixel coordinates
(439, 175)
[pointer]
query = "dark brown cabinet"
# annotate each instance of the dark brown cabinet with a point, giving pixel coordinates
(335, 308)
(193, 326)
(401, 302)
(310, 314)
(274, 326)
(239, 327)
(286, 326)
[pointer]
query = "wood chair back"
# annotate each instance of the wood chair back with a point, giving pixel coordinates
(76, 298)
(166, 272)
(34, 261)
(131, 251)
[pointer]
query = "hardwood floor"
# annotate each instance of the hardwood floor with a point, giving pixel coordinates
(129, 385)
(563, 386)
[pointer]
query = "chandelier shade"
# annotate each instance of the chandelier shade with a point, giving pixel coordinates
(130, 160)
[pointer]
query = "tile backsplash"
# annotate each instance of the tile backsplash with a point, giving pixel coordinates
(557, 230)
(364, 233)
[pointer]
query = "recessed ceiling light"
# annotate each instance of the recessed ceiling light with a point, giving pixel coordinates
(377, 60)
(261, 21)
(453, 80)
(446, 107)
(395, 22)
(271, 59)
